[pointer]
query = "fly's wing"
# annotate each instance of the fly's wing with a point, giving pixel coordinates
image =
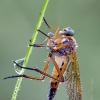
(72, 79)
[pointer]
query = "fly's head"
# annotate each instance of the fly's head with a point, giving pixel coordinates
(67, 32)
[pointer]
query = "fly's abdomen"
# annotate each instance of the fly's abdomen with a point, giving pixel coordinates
(53, 85)
(51, 93)
(61, 62)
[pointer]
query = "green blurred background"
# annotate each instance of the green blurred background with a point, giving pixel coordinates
(17, 22)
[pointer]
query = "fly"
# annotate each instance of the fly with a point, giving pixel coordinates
(63, 55)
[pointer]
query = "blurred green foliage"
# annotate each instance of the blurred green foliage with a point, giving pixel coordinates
(17, 21)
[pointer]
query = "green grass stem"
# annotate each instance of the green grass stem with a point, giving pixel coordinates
(29, 50)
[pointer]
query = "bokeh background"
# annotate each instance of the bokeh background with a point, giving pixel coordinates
(17, 22)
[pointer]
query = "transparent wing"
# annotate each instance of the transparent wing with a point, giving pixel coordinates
(72, 79)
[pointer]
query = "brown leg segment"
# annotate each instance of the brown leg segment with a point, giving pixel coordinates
(61, 79)
(58, 70)
(52, 27)
(35, 69)
(57, 31)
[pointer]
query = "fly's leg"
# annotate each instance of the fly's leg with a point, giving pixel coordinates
(47, 39)
(15, 76)
(35, 69)
(58, 70)
(61, 79)
(32, 77)
(41, 44)
(59, 47)
(52, 27)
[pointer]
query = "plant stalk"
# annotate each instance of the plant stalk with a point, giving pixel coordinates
(29, 50)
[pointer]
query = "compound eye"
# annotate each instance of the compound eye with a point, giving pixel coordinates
(69, 28)
(64, 29)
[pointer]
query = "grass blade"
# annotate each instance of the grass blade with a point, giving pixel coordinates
(29, 50)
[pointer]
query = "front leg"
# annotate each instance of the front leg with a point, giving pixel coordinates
(52, 27)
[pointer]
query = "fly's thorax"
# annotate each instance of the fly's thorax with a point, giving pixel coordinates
(74, 44)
